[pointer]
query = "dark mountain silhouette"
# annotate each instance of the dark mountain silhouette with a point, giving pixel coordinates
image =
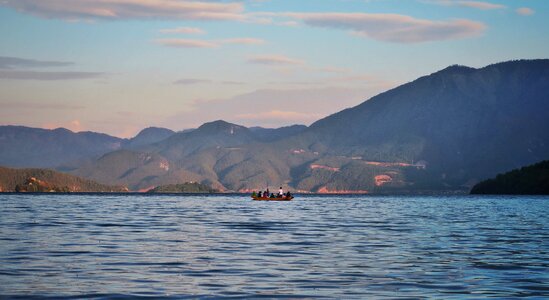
(530, 180)
(33, 147)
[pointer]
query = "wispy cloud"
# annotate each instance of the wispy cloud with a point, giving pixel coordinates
(394, 28)
(242, 41)
(192, 43)
(192, 81)
(187, 43)
(183, 30)
(7, 62)
(525, 11)
(275, 60)
(483, 5)
(273, 107)
(37, 105)
(129, 9)
(293, 116)
(48, 76)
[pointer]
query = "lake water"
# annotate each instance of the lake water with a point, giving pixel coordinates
(315, 246)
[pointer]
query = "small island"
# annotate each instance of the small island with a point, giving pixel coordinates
(530, 180)
(184, 188)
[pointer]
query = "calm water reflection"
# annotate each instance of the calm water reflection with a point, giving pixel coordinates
(228, 246)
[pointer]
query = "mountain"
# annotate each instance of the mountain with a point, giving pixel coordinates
(34, 147)
(160, 163)
(147, 136)
(43, 180)
(530, 180)
(463, 124)
(445, 131)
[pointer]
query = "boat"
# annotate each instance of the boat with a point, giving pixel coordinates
(273, 199)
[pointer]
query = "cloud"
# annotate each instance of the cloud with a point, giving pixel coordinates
(129, 9)
(41, 106)
(243, 41)
(275, 60)
(191, 81)
(471, 4)
(7, 62)
(392, 27)
(273, 107)
(47, 76)
(525, 11)
(279, 115)
(74, 125)
(190, 43)
(183, 30)
(187, 43)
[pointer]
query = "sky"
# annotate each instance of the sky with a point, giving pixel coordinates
(118, 66)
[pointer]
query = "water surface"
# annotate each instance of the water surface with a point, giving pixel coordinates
(316, 246)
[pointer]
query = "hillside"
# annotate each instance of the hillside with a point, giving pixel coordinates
(34, 147)
(43, 180)
(530, 180)
(465, 124)
(188, 187)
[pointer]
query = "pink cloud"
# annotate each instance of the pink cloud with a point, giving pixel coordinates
(274, 107)
(187, 43)
(129, 9)
(276, 60)
(483, 5)
(279, 115)
(243, 41)
(74, 125)
(525, 11)
(392, 27)
(184, 30)
(190, 43)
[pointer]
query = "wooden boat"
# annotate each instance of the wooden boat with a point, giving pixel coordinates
(273, 199)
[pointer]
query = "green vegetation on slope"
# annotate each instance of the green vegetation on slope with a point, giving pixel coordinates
(530, 180)
(188, 187)
(43, 180)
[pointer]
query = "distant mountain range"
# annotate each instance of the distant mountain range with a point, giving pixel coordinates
(444, 131)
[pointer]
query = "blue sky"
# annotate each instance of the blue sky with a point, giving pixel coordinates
(117, 66)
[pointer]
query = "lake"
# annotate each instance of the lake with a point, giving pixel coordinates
(118, 246)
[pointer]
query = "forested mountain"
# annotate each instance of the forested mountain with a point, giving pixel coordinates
(444, 131)
(43, 180)
(148, 136)
(530, 180)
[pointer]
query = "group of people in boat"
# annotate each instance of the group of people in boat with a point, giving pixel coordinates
(267, 194)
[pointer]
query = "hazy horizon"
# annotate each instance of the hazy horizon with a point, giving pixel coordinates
(117, 67)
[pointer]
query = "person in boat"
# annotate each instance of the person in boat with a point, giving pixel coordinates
(254, 194)
(272, 195)
(260, 194)
(288, 195)
(280, 193)
(266, 194)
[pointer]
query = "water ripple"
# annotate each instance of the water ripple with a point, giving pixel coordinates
(209, 247)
